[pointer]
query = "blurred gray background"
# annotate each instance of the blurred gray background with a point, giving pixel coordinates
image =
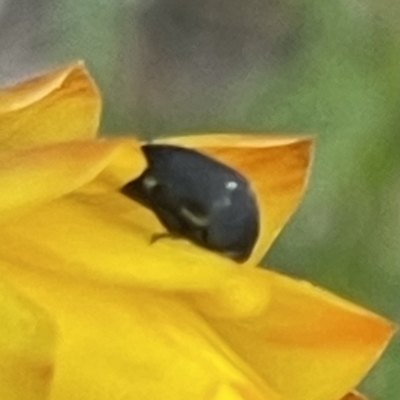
(327, 67)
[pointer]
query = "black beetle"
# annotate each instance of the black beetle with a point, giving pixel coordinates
(199, 198)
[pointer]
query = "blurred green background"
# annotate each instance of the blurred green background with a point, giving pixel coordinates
(327, 67)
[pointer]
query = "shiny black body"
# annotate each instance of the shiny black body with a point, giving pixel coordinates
(199, 198)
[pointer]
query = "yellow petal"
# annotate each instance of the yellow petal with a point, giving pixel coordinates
(134, 344)
(308, 344)
(107, 237)
(27, 339)
(235, 391)
(276, 166)
(32, 176)
(60, 105)
(244, 294)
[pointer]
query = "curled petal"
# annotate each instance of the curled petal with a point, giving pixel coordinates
(33, 176)
(308, 344)
(107, 236)
(276, 166)
(60, 105)
(27, 338)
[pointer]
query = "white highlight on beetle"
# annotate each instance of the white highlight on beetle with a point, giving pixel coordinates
(231, 185)
(198, 220)
(149, 182)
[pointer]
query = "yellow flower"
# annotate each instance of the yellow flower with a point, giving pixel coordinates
(91, 310)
